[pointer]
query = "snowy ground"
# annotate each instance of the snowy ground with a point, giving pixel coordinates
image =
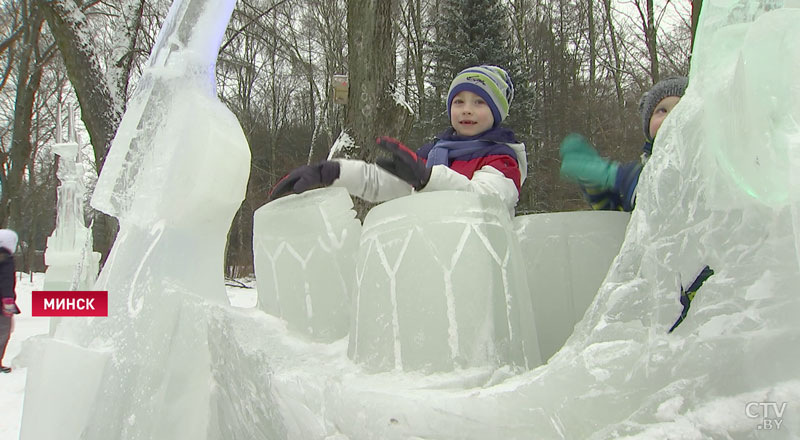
(12, 385)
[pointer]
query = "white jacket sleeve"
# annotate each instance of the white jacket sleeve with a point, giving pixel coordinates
(369, 181)
(487, 180)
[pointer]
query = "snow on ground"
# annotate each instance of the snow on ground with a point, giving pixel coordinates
(242, 293)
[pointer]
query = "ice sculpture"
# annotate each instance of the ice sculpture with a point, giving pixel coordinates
(70, 262)
(566, 255)
(441, 286)
(305, 249)
(139, 181)
(174, 177)
(729, 371)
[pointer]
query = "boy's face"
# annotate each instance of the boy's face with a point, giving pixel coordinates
(662, 110)
(470, 114)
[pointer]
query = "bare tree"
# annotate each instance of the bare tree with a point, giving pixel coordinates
(697, 5)
(646, 12)
(101, 105)
(100, 89)
(29, 67)
(415, 35)
(615, 61)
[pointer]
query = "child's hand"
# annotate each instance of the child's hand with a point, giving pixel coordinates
(404, 163)
(581, 162)
(305, 178)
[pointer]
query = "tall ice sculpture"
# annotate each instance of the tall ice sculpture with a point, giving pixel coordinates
(70, 262)
(174, 178)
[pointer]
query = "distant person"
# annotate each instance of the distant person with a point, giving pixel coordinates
(8, 281)
(475, 154)
(610, 185)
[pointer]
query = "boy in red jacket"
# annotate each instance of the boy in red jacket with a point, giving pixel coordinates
(475, 154)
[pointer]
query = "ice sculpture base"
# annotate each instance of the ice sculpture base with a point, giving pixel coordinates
(305, 248)
(440, 286)
(567, 256)
(56, 372)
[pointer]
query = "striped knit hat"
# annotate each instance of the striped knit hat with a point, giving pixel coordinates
(490, 83)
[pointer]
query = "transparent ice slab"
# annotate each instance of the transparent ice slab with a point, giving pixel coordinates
(566, 255)
(305, 249)
(441, 286)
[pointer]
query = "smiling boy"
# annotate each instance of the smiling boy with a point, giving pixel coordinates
(475, 154)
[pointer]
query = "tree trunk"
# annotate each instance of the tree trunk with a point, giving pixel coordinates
(122, 55)
(371, 109)
(650, 37)
(29, 75)
(415, 12)
(617, 68)
(696, 6)
(101, 107)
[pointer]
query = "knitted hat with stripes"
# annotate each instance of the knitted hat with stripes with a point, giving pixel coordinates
(490, 83)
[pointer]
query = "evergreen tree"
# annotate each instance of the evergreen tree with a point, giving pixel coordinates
(469, 33)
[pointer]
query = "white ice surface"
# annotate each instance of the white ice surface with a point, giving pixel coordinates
(441, 286)
(304, 248)
(23, 343)
(566, 256)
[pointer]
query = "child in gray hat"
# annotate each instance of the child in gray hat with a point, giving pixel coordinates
(610, 185)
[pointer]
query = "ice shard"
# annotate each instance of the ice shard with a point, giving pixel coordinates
(160, 129)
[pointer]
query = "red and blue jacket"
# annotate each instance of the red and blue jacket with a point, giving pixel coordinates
(492, 163)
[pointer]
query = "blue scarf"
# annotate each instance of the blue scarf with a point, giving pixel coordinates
(450, 146)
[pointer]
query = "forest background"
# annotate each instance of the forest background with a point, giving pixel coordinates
(577, 66)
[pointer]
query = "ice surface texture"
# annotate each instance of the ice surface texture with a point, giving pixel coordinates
(441, 286)
(156, 145)
(566, 256)
(305, 249)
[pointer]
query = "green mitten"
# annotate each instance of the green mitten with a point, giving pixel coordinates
(581, 162)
